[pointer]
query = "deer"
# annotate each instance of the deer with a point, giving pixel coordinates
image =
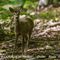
(22, 28)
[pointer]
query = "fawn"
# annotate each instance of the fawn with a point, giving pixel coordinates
(22, 27)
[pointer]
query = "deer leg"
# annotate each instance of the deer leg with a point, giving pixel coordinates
(16, 42)
(27, 42)
(23, 45)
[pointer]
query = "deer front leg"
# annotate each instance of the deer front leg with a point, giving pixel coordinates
(27, 44)
(16, 36)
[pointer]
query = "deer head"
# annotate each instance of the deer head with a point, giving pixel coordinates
(14, 10)
(16, 13)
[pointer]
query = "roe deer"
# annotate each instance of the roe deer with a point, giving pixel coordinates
(22, 27)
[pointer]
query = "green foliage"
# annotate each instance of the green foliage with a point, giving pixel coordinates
(55, 2)
(4, 2)
(52, 14)
(27, 4)
(21, 2)
(30, 5)
(47, 15)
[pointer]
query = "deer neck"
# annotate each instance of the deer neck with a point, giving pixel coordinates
(17, 20)
(17, 23)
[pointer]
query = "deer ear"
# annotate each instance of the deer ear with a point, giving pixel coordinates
(11, 9)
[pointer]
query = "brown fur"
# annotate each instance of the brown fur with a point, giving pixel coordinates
(22, 27)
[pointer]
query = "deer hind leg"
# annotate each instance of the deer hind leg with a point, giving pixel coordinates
(23, 45)
(27, 43)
